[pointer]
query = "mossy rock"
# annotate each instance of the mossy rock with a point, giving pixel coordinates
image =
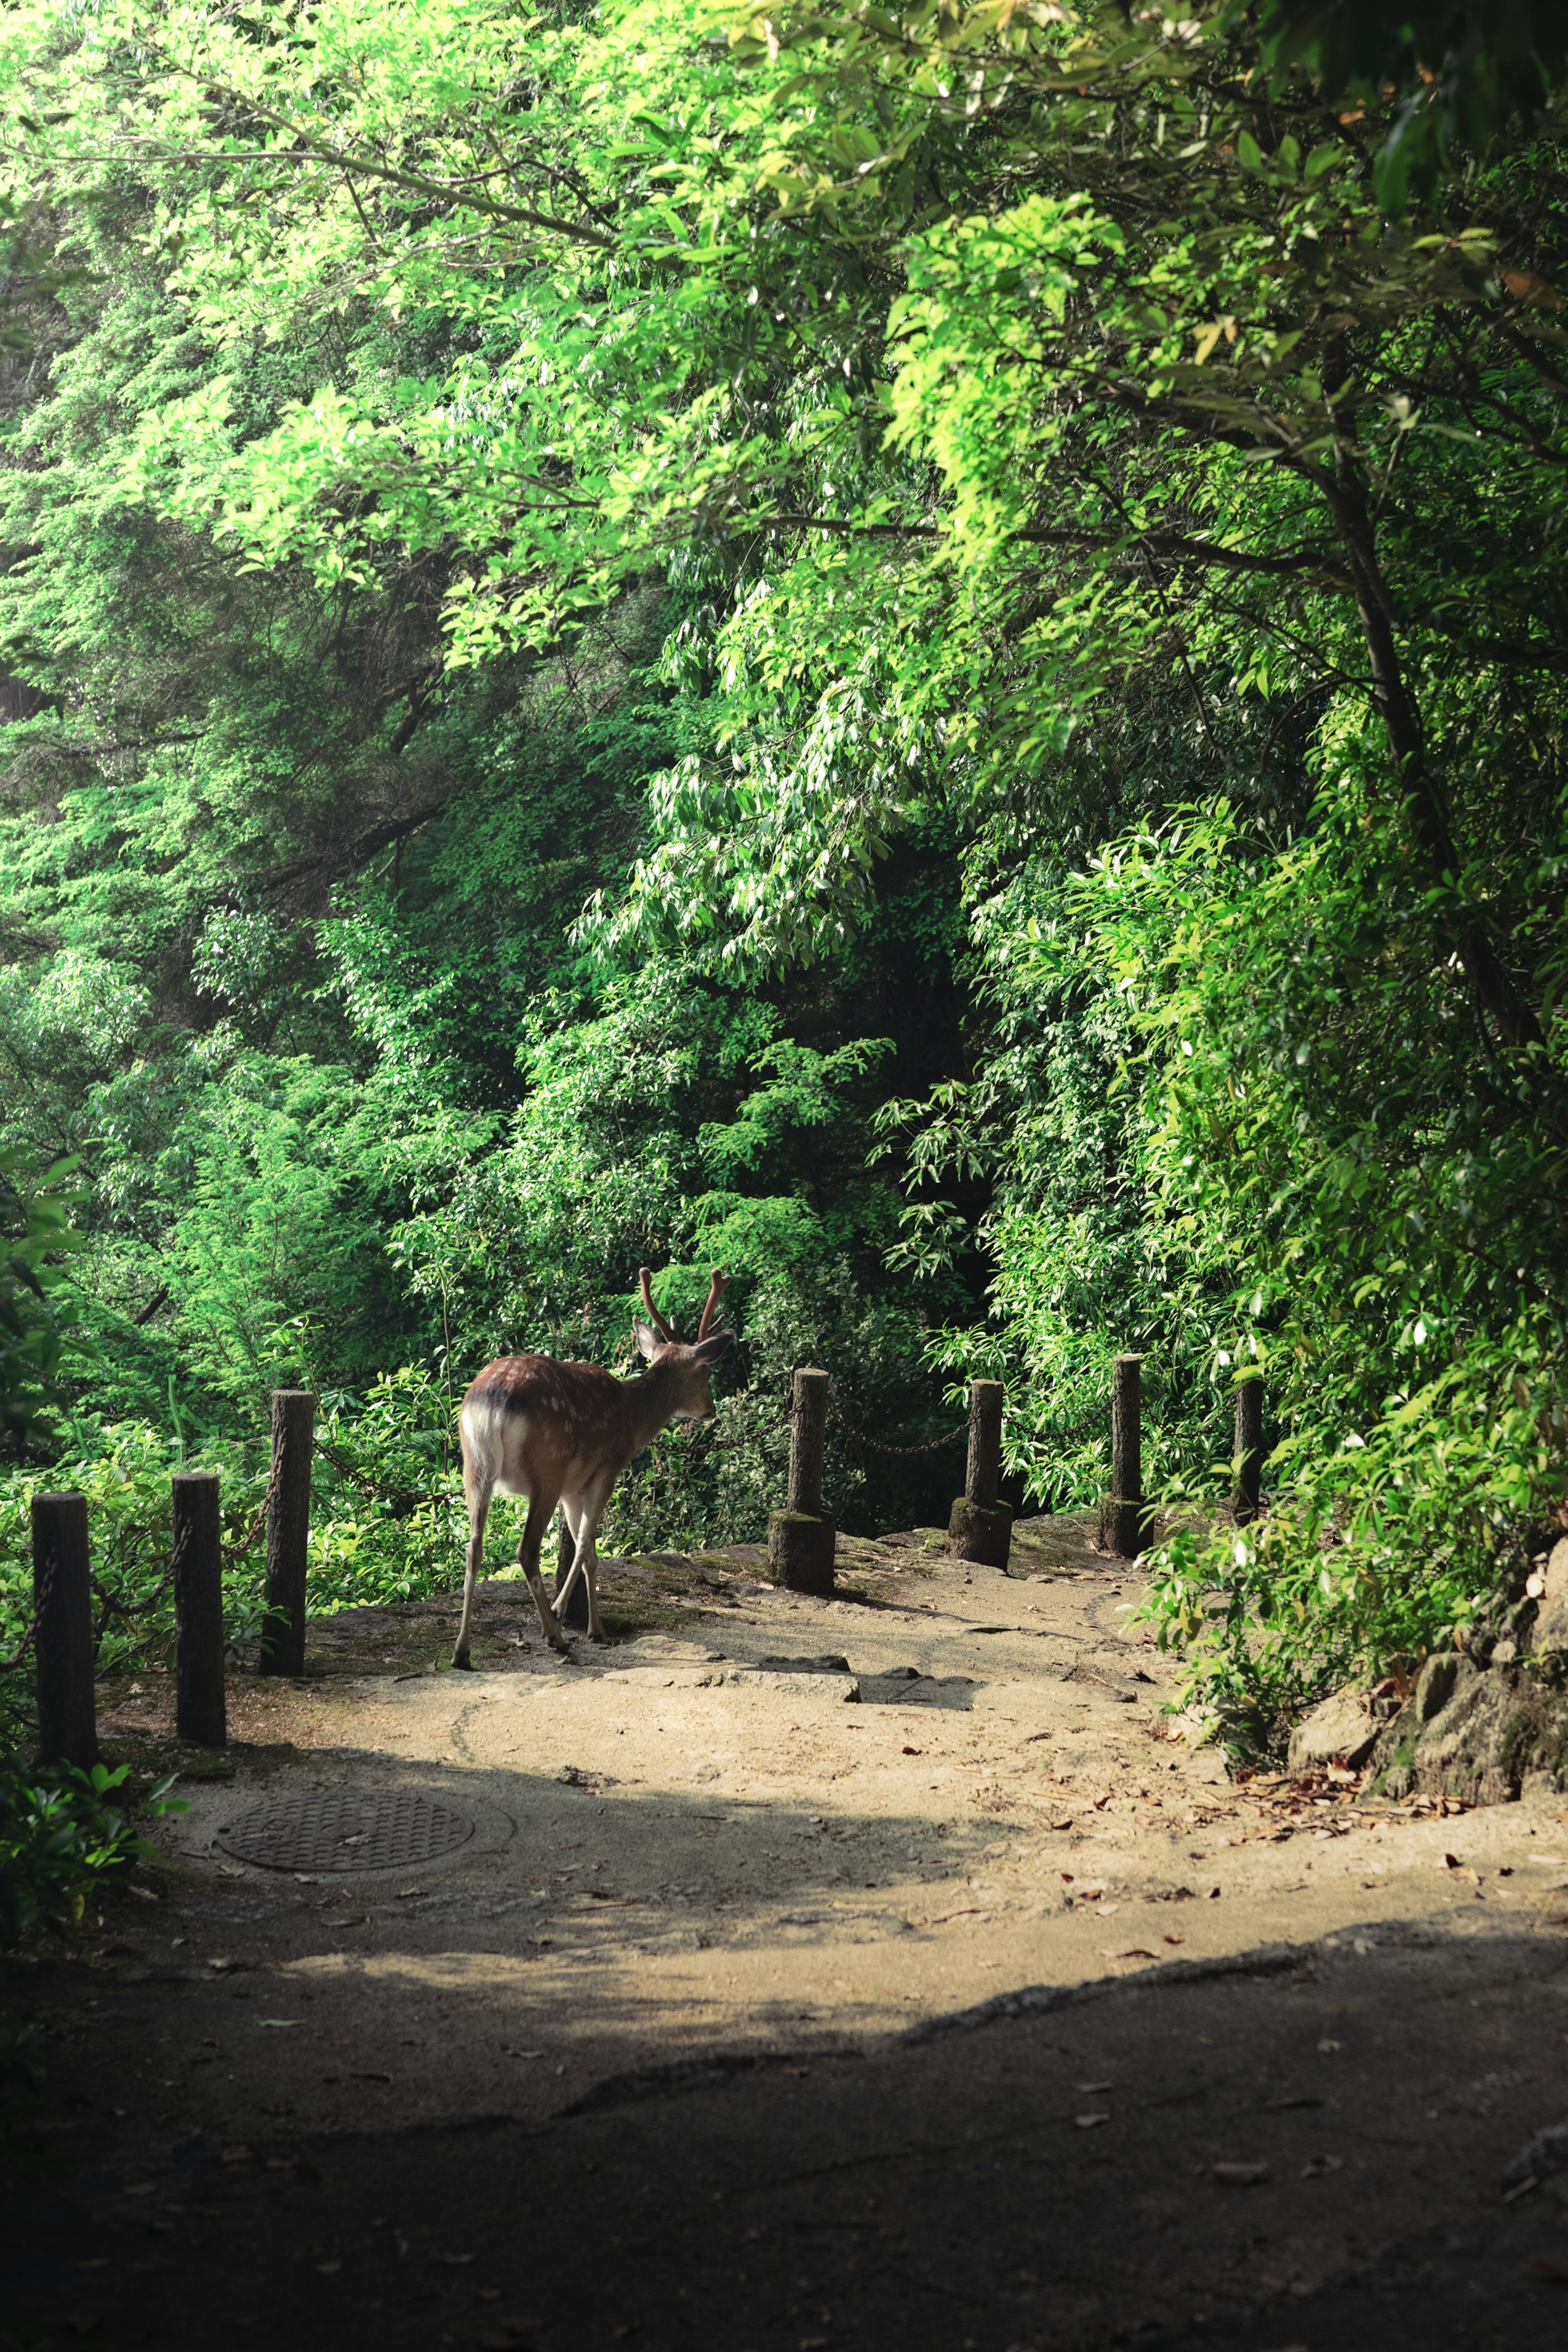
(1496, 1731)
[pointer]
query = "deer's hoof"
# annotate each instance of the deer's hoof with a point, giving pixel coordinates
(461, 1660)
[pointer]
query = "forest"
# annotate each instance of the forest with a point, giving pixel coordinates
(917, 651)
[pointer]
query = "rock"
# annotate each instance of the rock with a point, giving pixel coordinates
(1545, 2154)
(1550, 1634)
(1340, 1728)
(1496, 1727)
(828, 1663)
(1441, 1672)
(842, 1688)
(1505, 1653)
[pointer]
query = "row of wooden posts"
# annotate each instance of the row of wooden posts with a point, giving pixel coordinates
(62, 1594)
(801, 1539)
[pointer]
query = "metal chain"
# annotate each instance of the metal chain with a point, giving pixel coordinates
(138, 1608)
(722, 1444)
(1080, 1429)
(931, 1446)
(370, 1486)
(248, 1541)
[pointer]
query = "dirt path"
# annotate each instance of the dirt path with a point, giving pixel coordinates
(797, 1835)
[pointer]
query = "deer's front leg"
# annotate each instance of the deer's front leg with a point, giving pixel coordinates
(592, 1508)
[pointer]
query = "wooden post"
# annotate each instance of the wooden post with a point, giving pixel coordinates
(1122, 1523)
(68, 1720)
(199, 1711)
(1247, 1499)
(287, 1532)
(800, 1536)
(808, 1440)
(980, 1527)
(575, 1619)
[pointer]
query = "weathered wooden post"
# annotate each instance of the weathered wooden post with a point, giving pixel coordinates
(287, 1532)
(981, 1527)
(1246, 1501)
(62, 1602)
(575, 1618)
(1122, 1520)
(800, 1539)
(199, 1710)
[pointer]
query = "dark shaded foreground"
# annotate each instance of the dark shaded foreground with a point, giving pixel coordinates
(947, 2191)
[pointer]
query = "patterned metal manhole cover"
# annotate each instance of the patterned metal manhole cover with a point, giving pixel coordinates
(345, 1829)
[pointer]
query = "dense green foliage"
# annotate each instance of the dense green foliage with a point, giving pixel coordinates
(919, 652)
(62, 1836)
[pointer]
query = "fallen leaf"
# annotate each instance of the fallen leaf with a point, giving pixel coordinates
(1321, 2165)
(281, 2023)
(1175, 1939)
(1238, 2175)
(1325, 2047)
(1214, 1894)
(1087, 2123)
(1065, 1823)
(1135, 1953)
(912, 1751)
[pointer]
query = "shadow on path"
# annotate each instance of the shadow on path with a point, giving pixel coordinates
(1000, 2182)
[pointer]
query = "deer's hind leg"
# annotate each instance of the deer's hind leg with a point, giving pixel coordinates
(478, 1488)
(541, 1506)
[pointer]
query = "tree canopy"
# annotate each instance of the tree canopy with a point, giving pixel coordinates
(920, 649)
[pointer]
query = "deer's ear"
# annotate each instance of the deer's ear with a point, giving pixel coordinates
(648, 1339)
(709, 1350)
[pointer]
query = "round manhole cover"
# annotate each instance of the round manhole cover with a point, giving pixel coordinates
(345, 1829)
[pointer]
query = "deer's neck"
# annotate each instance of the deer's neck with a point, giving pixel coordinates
(654, 1402)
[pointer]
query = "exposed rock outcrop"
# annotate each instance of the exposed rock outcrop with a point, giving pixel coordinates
(1479, 1723)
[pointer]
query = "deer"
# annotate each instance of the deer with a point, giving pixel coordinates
(563, 1433)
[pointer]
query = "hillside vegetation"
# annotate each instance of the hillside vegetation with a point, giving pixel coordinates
(919, 652)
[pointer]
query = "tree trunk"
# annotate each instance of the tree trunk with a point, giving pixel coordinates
(1493, 984)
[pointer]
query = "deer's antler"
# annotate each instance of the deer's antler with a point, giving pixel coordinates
(654, 1316)
(718, 1285)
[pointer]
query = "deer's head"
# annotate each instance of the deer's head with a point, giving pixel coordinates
(682, 1369)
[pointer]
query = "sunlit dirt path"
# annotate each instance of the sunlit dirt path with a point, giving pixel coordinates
(769, 1833)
